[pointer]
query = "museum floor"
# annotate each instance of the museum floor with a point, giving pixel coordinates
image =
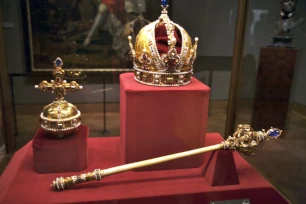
(282, 162)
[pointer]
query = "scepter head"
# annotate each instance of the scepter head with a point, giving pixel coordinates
(245, 139)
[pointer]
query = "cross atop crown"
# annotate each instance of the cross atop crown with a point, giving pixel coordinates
(58, 85)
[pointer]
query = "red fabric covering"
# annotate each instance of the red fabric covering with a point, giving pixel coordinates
(60, 155)
(20, 184)
(157, 121)
(162, 40)
(220, 168)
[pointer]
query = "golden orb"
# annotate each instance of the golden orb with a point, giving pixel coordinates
(59, 118)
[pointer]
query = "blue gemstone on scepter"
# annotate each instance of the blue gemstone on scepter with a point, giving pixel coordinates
(274, 132)
(164, 3)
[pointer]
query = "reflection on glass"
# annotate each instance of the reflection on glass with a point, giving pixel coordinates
(2, 145)
(99, 28)
(215, 26)
(275, 78)
(287, 21)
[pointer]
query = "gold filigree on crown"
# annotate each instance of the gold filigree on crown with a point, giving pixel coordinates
(172, 68)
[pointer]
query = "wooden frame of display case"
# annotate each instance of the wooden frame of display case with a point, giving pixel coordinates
(6, 97)
(236, 70)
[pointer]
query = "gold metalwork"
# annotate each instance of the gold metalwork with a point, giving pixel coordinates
(244, 140)
(171, 69)
(59, 117)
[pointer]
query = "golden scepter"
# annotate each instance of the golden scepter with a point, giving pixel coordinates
(244, 140)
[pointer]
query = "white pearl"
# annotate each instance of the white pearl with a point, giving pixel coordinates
(173, 41)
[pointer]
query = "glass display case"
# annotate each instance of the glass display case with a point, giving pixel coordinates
(271, 91)
(248, 70)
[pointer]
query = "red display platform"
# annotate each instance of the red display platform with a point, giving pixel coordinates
(157, 121)
(20, 184)
(60, 155)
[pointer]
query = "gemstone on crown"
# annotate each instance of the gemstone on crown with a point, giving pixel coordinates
(58, 62)
(164, 3)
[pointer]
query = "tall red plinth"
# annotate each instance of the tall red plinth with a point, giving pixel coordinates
(157, 121)
(68, 154)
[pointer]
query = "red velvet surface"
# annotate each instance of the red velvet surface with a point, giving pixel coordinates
(60, 155)
(220, 169)
(20, 184)
(157, 121)
(161, 39)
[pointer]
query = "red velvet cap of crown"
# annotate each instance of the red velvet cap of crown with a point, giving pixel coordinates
(161, 39)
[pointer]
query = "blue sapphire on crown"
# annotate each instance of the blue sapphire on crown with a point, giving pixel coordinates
(58, 62)
(164, 3)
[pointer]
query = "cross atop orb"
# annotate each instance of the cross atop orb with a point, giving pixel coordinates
(59, 86)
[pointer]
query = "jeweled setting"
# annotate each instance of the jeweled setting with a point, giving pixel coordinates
(164, 3)
(274, 132)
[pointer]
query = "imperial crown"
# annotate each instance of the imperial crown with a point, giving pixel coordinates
(59, 118)
(163, 54)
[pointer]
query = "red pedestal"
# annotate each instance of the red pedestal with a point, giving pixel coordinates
(157, 121)
(68, 154)
(20, 184)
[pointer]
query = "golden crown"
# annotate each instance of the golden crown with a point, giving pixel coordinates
(163, 54)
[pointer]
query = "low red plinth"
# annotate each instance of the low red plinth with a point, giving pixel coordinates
(220, 169)
(20, 184)
(157, 121)
(68, 154)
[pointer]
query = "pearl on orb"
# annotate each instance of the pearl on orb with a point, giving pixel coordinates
(130, 37)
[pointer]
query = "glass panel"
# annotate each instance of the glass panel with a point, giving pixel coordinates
(85, 41)
(2, 145)
(272, 93)
(214, 23)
